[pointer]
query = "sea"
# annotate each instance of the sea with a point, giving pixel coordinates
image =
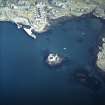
(26, 79)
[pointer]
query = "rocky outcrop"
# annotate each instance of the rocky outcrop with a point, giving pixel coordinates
(54, 59)
(101, 56)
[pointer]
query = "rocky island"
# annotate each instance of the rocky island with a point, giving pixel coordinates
(38, 14)
(54, 59)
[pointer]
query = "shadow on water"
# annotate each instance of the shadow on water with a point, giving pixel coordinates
(25, 77)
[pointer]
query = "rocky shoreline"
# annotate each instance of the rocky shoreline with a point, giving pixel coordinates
(38, 13)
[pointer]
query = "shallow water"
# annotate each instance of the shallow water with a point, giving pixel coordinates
(26, 79)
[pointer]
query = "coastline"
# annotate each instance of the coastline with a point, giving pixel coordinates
(23, 57)
(40, 27)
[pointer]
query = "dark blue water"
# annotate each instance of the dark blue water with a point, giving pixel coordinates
(26, 79)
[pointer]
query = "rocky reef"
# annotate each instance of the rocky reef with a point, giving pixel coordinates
(87, 79)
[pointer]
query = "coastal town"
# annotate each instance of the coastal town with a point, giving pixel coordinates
(39, 13)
